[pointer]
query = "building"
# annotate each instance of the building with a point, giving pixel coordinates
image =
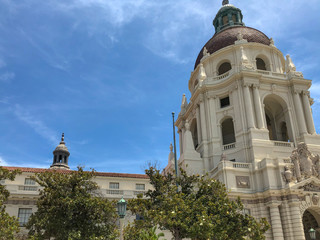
(249, 124)
(24, 191)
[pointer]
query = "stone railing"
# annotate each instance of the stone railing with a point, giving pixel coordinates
(28, 188)
(282, 144)
(241, 165)
(264, 72)
(224, 75)
(229, 146)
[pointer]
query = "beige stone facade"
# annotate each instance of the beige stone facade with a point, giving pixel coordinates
(249, 124)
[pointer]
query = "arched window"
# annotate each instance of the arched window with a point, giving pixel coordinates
(194, 132)
(224, 67)
(228, 131)
(261, 65)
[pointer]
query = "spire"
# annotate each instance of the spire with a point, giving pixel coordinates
(225, 2)
(61, 155)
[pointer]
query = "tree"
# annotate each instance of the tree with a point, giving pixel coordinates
(132, 232)
(9, 226)
(198, 208)
(69, 208)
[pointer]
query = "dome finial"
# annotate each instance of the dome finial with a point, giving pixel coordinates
(225, 2)
(62, 137)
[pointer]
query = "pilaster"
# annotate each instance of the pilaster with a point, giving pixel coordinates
(296, 220)
(307, 113)
(276, 226)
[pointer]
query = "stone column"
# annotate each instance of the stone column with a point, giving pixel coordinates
(248, 106)
(299, 113)
(203, 120)
(307, 113)
(198, 124)
(296, 220)
(286, 221)
(276, 225)
(257, 104)
(180, 141)
(213, 116)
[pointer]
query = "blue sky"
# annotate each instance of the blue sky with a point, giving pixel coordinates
(108, 73)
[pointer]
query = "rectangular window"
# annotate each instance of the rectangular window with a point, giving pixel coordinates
(29, 181)
(23, 215)
(224, 102)
(114, 185)
(140, 186)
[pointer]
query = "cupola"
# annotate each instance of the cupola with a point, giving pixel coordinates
(227, 16)
(61, 155)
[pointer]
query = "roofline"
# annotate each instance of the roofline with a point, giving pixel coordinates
(100, 174)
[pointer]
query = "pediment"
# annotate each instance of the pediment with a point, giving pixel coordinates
(311, 184)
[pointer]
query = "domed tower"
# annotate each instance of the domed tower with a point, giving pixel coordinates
(61, 155)
(248, 113)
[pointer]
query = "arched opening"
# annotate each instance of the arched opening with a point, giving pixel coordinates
(227, 130)
(310, 220)
(224, 67)
(261, 65)
(194, 133)
(277, 119)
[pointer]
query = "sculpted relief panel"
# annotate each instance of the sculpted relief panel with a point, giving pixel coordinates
(305, 165)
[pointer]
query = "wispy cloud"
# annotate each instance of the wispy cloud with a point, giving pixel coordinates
(3, 162)
(36, 124)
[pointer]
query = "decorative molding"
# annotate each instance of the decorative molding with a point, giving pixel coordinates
(243, 181)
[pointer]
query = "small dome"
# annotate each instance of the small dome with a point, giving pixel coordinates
(62, 146)
(228, 36)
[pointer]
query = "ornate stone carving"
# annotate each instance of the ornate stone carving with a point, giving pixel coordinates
(202, 74)
(184, 104)
(291, 68)
(271, 42)
(315, 199)
(205, 54)
(287, 174)
(305, 164)
(245, 63)
(310, 187)
(223, 157)
(239, 36)
(243, 181)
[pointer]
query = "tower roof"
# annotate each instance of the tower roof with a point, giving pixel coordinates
(62, 146)
(228, 24)
(228, 36)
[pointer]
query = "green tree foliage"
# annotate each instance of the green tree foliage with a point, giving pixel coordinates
(9, 226)
(198, 209)
(69, 208)
(132, 232)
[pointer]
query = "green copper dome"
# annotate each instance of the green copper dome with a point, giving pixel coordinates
(227, 16)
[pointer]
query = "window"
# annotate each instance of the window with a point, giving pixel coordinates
(261, 65)
(114, 185)
(234, 18)
(140, 186)
(224, 102)
(224, 67)
(23, 215)
(225, 20)
(29, 181)
(228, 136)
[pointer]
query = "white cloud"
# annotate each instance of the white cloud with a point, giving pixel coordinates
(3, 162)
(36, 124)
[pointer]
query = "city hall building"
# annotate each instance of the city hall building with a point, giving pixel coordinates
(248, 123)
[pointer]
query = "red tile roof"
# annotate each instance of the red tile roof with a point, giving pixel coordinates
(102, 174)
